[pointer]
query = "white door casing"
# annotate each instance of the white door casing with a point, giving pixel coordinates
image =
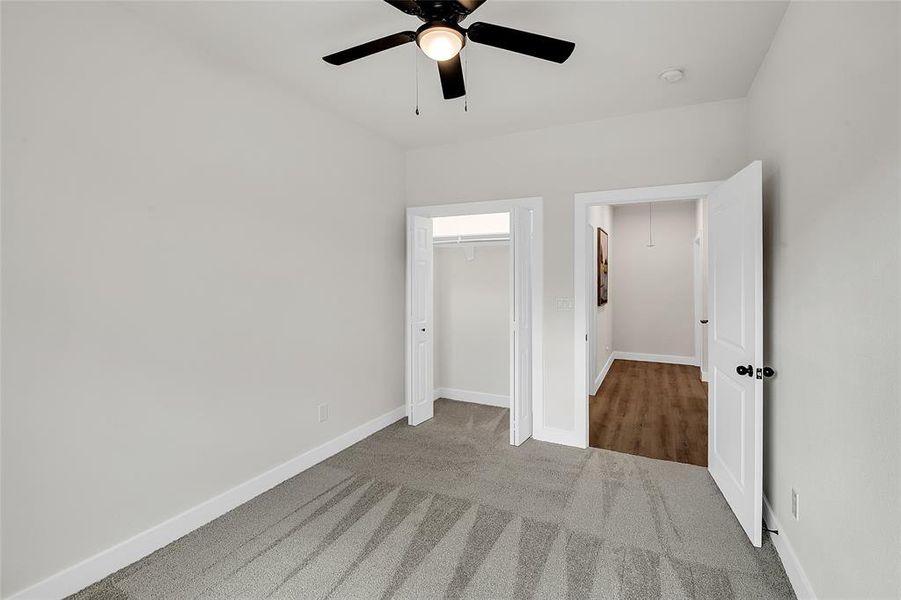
(420, 388)
(697, 274)
(735, 338)
(532, 421)
(581, 202)
(521, 371)
(591, 285)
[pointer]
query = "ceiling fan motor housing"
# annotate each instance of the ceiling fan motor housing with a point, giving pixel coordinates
(441, 11)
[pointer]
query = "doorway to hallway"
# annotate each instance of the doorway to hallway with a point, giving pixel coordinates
(733, 223)
(657, 410)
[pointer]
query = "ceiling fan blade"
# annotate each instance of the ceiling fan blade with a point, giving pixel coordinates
(451, 72)
(408, 6)
(523, 42)
(470, 5)
(363, 50)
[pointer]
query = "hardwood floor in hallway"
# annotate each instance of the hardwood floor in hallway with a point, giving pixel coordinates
(651, 409)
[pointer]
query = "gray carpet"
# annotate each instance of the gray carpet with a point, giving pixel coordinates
(450, 510)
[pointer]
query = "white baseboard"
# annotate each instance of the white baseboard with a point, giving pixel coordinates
(673, 359)
(704, 375)
(604, 370)
(95, 568)
(794, 570)
(474, 397)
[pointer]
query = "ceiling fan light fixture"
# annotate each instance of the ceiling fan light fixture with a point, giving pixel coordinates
(440, 43)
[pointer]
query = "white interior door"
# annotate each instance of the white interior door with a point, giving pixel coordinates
(420, 394)
(521, 337)
(735, 345)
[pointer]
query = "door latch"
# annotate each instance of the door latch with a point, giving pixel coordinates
(765, 372)
(750, 372)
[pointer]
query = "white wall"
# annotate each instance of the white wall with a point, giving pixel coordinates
(472, 319)
(654, 286)
(695, 143)
(825, 121)
(192, 261)
(601, 330)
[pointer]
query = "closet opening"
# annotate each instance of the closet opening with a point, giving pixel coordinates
(472, 316)
(473, 341)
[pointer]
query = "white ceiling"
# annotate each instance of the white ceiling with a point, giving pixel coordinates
(620, 49)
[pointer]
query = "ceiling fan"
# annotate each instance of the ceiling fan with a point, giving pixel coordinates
(441, 38)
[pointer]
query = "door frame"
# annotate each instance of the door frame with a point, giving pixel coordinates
(537, 275)
(582, 201)
(697, 248)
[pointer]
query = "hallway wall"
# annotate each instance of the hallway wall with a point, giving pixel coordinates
(602, 327)
(654, 286)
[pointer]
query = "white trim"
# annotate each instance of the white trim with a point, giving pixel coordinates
(487, 207)
(581, 202)
(603, 374)
(796, 575)
(659, 193)
(557, 436)
(473, 208)
(672, 359)
(704, 375)
(95, 568)
(473, 397)
(698, 293)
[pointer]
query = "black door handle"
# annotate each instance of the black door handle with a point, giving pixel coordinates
(768, 372)
(703, 321)
(743, 370)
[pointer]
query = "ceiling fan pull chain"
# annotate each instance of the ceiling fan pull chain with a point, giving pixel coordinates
(416, 69)
(466, 74)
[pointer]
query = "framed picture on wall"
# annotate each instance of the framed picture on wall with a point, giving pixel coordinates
(602, 267)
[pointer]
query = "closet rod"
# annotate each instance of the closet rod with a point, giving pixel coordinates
(469, 240)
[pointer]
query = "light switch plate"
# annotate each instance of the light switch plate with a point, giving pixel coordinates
(564, 304)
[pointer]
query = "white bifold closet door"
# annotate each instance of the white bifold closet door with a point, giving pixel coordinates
(420, 394)
(735, 342)
(521, 367)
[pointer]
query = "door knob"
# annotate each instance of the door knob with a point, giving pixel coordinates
(743, 370)
(768, 372)
(703, 321)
